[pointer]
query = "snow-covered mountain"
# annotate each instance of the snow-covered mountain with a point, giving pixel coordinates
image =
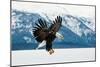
(78, 31)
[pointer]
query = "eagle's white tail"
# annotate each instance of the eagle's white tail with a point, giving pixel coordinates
(43, 43)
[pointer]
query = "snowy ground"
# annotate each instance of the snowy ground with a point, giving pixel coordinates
(27, 57)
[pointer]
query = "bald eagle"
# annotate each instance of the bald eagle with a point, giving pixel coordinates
(46, 35)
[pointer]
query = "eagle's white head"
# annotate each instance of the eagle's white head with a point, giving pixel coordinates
(59, 36)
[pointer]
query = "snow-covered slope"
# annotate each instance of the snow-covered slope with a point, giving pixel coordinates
(78, 31)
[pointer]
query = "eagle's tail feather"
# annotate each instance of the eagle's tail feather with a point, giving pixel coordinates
(43, 43)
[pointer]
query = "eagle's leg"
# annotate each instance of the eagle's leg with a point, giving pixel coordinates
(49, 48)
(51, 51)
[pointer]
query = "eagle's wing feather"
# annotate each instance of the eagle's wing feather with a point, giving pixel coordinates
(39, 31)
(56, 25)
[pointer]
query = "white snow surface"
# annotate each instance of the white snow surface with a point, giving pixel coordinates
(27, 57)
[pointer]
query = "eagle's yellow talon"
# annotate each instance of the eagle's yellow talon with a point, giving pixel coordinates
(51, 51)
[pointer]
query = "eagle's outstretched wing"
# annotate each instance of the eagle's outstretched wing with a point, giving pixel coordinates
(56, 25)
(40, 30)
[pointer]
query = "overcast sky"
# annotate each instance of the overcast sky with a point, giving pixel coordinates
(50, 9)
